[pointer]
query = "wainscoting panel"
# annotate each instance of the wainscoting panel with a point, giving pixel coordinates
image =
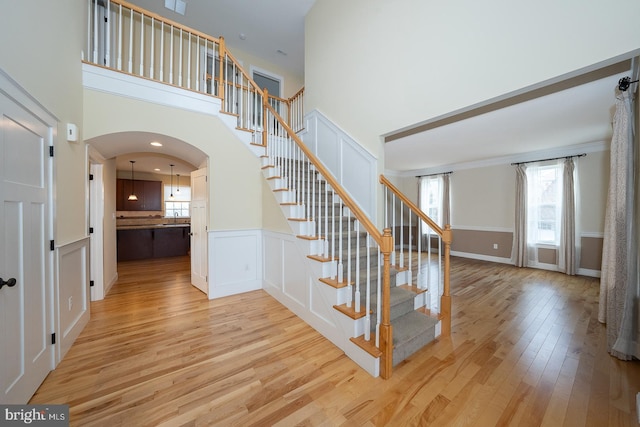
(293, 275)
(298, 288)
(273, 261)
(353, 166)
(235, 262)
(72, 284)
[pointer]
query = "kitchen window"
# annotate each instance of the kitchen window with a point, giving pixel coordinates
(178, 206)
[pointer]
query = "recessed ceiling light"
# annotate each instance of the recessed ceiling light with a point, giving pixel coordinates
(242, 36)
(156, 144)
(157, 169)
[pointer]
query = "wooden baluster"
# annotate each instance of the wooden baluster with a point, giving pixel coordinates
(357, 293)
(445, 302)
(221, 54)
(95, 32)
(367, 305)
(120, 41)
(386, 330)
(189, 62)
(142, 44)
(171, 56)
(153, 37)
(180, 60)
(378, 298)
(198, 63)
(349, 286)
(107, 47)
(265, 97)
(131, 42)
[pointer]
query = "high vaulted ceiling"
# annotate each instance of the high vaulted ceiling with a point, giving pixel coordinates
(272, 29)
(556, 115)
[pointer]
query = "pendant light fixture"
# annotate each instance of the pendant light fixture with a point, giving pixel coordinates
(178, 183)
(171, 195)
(132, 197)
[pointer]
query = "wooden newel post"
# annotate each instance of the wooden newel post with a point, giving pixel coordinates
(386, 330)
(222, 55)
(445, 300)
(265, 110)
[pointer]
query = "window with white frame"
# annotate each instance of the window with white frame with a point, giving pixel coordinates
(544, 204)
(431, 198)
(179, 205)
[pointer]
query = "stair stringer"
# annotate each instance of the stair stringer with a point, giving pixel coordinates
(317, 309)
(250, 139)
(316, 306)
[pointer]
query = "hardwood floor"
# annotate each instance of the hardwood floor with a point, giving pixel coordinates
(526, 349)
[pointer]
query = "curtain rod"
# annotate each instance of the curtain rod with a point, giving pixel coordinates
(434, 174)
(554, 158)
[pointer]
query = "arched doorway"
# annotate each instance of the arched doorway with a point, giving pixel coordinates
(164, 165)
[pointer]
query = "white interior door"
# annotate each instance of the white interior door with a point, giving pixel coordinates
(26, 353)
(199, 196)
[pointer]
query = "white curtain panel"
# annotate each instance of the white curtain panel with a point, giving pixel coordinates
(568, 258)
(519, 250)
(446, 199)
(618, 283)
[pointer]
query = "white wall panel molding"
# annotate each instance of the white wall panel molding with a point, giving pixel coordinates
(354, 167)
(235, 262)
(122, 84)
(291, 278)
(72, 297)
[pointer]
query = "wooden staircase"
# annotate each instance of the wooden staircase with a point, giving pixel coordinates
(341, 245)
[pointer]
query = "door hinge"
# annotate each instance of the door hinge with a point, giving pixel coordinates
(51, 151)
(90, 177)
(53, 338)
(91, 283)
(52, 245)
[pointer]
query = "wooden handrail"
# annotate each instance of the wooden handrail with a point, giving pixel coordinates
(446, 236)
(416, 210)
(384, 241)
(358, 213)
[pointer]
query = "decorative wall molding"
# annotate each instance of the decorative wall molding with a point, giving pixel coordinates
(570, 150)
(235, 262)
(291, 278)
(354, 167)
(72, 293)
(122, 84)
(479, 228)
(482, 257)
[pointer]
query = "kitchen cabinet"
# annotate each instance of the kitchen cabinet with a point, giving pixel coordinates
(153, 242)
(149, 195)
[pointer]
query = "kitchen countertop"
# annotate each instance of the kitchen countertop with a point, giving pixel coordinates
(145, 226)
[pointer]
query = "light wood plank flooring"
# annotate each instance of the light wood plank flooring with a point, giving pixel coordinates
(526, 350)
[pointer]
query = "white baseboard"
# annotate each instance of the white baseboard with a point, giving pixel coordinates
(481, 257)
(589, 272)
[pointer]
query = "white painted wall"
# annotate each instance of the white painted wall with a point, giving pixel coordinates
(230, 161)
(384, 65)
(52, 75)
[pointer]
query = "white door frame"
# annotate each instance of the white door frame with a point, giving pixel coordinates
(96, 220)
(21, 97)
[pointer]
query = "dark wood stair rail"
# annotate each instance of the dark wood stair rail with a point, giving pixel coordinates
(445, 235)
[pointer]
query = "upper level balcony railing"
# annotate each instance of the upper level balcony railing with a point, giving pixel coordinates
(124, 37)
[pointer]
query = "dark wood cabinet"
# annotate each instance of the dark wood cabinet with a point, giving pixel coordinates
(134, 244)
(149, 195)
(153, 242)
